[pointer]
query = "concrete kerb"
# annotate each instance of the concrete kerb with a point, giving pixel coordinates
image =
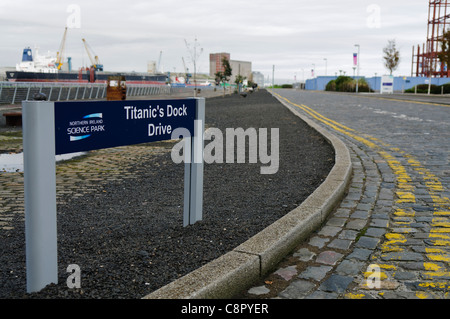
(231, 273)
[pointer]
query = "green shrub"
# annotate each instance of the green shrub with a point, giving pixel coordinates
(446, 88)
(331, 86)
(423, 89)
(283, 86)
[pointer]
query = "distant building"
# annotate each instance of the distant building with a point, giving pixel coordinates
(215, 62)
(243, 68)
(258, 78)
(151, 67)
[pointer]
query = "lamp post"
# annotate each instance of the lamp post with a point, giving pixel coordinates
(326, 66)
(313, 71)
(375, 82)
(429, 80)
(357, 75)
(273, 77)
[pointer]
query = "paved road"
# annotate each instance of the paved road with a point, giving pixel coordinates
(390, 237)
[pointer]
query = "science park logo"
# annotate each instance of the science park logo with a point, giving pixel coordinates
(86, 127)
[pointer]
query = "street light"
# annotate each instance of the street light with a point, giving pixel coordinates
(313, 71)
(326, 66)
(357, 76)
(273, 77)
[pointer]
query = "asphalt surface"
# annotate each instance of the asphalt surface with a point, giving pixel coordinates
(125, 229)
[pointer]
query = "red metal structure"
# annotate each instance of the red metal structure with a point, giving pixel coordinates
(426, 62)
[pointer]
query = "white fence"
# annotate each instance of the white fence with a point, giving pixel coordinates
(16, 92)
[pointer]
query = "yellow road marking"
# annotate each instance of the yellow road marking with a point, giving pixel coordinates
(405, 195)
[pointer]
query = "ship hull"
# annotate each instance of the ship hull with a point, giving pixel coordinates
(84, 77)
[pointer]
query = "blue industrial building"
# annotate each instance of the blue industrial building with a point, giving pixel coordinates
(400, 83)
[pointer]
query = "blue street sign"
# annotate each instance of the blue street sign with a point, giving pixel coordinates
(85, 126)
(52, 128)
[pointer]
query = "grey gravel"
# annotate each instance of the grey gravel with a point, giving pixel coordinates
(127, 249)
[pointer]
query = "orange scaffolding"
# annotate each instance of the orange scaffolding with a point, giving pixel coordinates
(425, 61)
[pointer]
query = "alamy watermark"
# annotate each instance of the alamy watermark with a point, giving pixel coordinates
(74, 279)
(374, 19)
(230, 147)
(373, 280)
(73, 21)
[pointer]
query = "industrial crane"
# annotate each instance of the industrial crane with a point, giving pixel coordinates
(94, 60)
(60, 53)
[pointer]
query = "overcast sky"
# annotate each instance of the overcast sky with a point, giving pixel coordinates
(290, 34)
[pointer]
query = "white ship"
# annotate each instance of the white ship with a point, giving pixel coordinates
(38, 63)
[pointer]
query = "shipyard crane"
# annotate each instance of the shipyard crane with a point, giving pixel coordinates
(94, 60)
(60, 53)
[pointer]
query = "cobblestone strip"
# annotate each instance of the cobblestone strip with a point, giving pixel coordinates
(76, 177)
(325, 265)
(388, 239)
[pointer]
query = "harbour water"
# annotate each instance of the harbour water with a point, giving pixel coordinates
(10, 163)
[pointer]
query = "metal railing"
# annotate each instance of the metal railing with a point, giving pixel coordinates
(16, 92)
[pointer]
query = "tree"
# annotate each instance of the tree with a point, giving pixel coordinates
(219, 77)
(444, 55)
(239, 79)
(225, 75)
(195, 54)
(391, 56)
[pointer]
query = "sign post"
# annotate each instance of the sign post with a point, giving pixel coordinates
(40, 194)
(56, 128)
(387, 84)
(193, 181)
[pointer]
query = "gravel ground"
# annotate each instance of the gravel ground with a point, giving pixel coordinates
(128, 237)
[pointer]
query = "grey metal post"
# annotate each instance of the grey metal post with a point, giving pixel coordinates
(28, 93)
(193, 177)
(40, 194)
(197, 165)
(358, 66)
(14, 96)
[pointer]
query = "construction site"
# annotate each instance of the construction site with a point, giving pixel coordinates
(425, 60)
(429, 63)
